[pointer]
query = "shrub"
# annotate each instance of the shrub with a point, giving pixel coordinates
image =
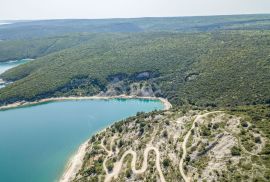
(235, 151)
(90, 171)
(142, 124)
(166, 163)
(215, 126)
(141, 131)
(110, 167)
(165, 134)
(128, 173)
(205, 131)
(187, 158)
(258, 139)
(244, 124)
(120, 144)
(100, 160)
(93, 139)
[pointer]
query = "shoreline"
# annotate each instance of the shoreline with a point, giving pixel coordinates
(76, 160)
(74, 164)
(165, 102)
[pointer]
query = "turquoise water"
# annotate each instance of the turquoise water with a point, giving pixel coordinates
(37, 141)
(4, 66)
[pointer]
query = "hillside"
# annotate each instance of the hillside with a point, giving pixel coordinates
(207, 69)
(184, 144)
(46, 28)
(34, 48)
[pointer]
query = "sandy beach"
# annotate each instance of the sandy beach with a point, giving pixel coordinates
(74, 164)
(76, 160)
(167, 104)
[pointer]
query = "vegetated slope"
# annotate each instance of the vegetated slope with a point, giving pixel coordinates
(45, 28)
(32, 39)
(218, 68)
(33, 48)
(228, 145)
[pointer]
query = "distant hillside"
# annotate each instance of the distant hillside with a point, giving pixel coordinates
(208, 69)
(34, 48)
(45, 28)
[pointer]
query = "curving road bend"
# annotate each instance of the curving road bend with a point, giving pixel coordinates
(118, 165)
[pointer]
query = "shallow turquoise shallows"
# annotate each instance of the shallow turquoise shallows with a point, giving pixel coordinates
(4, 66)
(37, 141)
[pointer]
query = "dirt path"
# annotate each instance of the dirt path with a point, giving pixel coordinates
(110, 153)
(184, 144)
(118, 165)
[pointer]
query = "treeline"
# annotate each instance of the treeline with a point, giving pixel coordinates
(34, 48)
(47, 28)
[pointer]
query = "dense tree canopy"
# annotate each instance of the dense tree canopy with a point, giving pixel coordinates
(211, 68)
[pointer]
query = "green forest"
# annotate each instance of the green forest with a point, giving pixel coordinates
(226, 64)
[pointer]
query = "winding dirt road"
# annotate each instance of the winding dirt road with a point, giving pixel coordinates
(118, 165)
(184, 144)
(110, 153)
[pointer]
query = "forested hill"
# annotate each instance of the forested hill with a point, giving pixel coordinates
(46, 28)
(217, 68)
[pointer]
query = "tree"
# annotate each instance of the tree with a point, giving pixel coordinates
(258, 139)
(166, 162)
(235, 151)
